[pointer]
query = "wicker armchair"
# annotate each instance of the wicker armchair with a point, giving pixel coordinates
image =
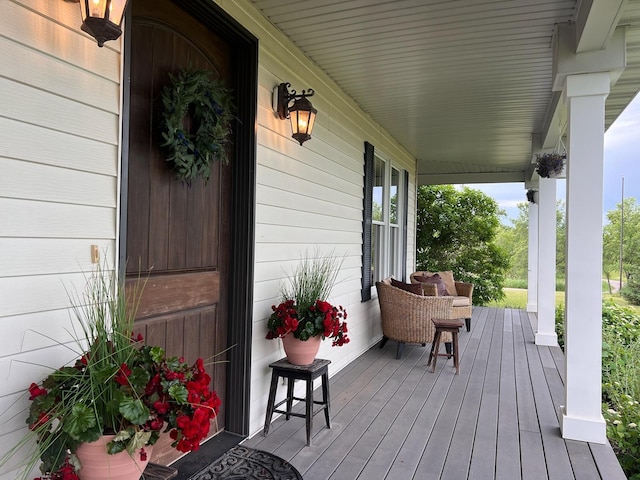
(462, 303)
(406, 317)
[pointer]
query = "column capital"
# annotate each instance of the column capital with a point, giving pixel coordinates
(611, 60)
(587, 84)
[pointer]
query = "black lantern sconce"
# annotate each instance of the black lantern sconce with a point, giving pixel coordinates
(532, 196)
(102, 18)
(301, 114)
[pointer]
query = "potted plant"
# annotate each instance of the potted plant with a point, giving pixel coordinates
(550, 164)
(119, 394)
(304, 317)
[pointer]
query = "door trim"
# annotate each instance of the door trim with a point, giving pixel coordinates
(243, 164)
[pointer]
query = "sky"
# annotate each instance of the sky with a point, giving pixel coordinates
(621, 159)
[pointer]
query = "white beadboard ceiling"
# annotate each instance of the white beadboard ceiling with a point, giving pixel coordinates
(463, 85)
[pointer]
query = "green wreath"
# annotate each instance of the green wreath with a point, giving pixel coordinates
(208, 104)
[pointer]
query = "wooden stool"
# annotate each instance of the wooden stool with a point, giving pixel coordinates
(445, 325)
(308, 373)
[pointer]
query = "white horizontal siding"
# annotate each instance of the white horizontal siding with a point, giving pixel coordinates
(22, 141)
(59, 144)
(37, 107)
(27, 218)
(48, 256)
(309, 196)
(33, 294)
(53, 29)
(55, 184)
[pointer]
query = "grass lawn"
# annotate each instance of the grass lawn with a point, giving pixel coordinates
(517, 298)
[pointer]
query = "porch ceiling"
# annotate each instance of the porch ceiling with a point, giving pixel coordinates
(464, 86)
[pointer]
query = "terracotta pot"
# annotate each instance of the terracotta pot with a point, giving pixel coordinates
(97, 464)
(301, 352)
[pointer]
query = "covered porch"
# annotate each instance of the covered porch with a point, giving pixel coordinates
(498, 419)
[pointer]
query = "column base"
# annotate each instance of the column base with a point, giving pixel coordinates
(532, 307)
(582, 429)
(547, 339)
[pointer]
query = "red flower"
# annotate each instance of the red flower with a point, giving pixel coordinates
(153, 385)
(156, 424)
(43, 418)
(36, 391)
(138, 338)
(122, 377)
(161, 406)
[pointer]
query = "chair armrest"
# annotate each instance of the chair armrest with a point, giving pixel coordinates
(464, 289)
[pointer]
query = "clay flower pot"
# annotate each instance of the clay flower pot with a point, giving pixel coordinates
(301, 352)
(97, 464)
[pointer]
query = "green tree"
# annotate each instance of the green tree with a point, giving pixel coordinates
(561, 238)
(456, 230)
(631, 239)
(515, 240)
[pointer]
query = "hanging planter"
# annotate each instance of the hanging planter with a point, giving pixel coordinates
(549, 165)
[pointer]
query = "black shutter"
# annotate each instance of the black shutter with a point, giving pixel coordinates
(367, 213)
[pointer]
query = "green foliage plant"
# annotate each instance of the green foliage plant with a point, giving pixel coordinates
(303, 310)
(116, 386)
(630, 242)
(456, 230)
(631, 291)
(621, 383)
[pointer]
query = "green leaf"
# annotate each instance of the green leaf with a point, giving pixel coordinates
(134, 410)
(179, 393)
(81, 424)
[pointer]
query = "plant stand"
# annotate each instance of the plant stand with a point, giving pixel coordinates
(308, 373)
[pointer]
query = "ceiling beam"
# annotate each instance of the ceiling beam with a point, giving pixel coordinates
(567, 61)
(460, 178)
(596, 20)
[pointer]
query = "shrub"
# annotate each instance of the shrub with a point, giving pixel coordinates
(631, 291)
(516, 283)
(621, 383)
(560, 325)
(624, 433)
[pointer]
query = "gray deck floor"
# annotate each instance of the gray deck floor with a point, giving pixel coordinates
(394, 419)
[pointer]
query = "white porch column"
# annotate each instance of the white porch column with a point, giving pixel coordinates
(581, 415)
(532, 278)
(546, 333)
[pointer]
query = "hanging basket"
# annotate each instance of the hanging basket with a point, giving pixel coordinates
(301, 352)
(550, 165)
(97, 464)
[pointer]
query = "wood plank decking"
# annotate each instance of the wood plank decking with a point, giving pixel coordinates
(394, 419)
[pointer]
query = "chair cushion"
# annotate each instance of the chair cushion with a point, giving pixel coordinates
(461, 301)
(414, 288)
(435, 279)
(449, 282)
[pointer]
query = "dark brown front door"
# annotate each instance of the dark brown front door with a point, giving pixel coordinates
(177, 234)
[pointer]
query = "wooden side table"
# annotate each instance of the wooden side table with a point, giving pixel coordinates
(445, 325)
(308, 373)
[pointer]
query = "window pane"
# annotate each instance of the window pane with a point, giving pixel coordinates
(377, 268)
(378, 191)
(394, 263)
(393, 196)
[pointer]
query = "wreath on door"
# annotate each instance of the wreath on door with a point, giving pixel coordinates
(196, 123)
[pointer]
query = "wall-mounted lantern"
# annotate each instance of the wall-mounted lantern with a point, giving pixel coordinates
(301, 114)
(102, 18)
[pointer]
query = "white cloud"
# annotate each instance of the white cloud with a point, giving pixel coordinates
(623, 133)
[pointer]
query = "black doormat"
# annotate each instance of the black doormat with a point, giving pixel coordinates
(242, 463)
